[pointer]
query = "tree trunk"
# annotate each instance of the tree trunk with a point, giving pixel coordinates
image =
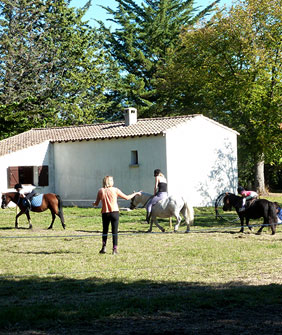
(259, 176)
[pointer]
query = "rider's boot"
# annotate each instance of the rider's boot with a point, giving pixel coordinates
(148, 217)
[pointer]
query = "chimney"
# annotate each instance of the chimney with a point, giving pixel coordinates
(130, 115)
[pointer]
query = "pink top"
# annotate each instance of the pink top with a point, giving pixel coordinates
(249, 193)
(109, 196)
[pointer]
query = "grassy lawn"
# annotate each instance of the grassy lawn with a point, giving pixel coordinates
(211, 280)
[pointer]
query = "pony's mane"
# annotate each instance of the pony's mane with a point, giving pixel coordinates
(145, 193)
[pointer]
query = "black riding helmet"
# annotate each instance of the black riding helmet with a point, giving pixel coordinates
(240, 189)
(17, 186)
(157, 172)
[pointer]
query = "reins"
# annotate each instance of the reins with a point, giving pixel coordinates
(237, 202)
(145, 204)
(147, 201)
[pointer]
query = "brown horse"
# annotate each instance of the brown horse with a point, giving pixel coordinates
(49, 201)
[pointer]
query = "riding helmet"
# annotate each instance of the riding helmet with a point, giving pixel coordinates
(157, 172)
(240, 189)
(18, 186)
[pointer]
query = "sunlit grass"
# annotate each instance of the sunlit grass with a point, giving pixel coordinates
(61, 277)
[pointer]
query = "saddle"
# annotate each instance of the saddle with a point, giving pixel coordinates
(250, 202)
(34, 201)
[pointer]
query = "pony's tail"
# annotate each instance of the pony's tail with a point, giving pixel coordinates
(189, 211)
(60, 206)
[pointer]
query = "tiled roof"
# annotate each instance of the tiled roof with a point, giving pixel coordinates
(143, 127)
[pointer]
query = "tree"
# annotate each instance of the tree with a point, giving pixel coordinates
(141, 42)
(230, 69)
(53, 69)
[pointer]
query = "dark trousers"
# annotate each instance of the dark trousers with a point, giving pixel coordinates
(113, 218)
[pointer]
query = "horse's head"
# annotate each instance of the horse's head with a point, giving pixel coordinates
(136, 200)
(133, 202)
(4, 201)
(7, 197)
(227, 206)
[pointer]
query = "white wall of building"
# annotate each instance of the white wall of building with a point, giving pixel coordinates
(81, 166)
(202, 160)
(199, 159)
(37, 155)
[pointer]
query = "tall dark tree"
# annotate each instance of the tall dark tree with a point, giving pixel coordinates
(230, 70)
(141, 42)
(53, 69)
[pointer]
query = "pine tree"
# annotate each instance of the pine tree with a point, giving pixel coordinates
(141, 43)
(53, 69)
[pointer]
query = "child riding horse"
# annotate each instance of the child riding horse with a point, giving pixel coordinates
(259, 208)
(49, 201)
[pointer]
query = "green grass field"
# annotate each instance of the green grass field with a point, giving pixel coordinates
(211, 280)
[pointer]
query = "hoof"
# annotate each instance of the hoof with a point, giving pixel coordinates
(163, 230)
(149, 231)
(30, 227)
(258, 233)
(50, 227)
(64, 226)
(187, 231)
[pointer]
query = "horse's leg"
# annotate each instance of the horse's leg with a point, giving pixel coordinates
(28, 218)
(272, 226)
(154, 220)
(53, 219)
(178, 218)
(61, 216)
(160, 227)
(16, 221)
(187, 221)
(265, 224)
(242, 224)
(247, 223)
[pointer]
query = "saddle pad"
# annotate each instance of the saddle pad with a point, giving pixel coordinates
(37, 200)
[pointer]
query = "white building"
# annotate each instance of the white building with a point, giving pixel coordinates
(197, 154)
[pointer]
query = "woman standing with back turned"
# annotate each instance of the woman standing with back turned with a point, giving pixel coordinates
(110, 212)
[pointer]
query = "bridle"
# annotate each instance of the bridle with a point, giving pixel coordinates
(132, 206)
(227, 201)
(3, 203)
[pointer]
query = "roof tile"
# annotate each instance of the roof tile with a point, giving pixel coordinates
(143, 127)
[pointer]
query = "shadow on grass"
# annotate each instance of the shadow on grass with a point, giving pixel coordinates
(68, 306)
(43, 252)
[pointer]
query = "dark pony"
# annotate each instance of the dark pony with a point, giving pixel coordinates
(257, 209)
(49, 201)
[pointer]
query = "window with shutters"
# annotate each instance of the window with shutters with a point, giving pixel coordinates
(13, 176)
(25, 175)
(43, 175)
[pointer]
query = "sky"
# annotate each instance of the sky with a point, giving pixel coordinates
(96, 12)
